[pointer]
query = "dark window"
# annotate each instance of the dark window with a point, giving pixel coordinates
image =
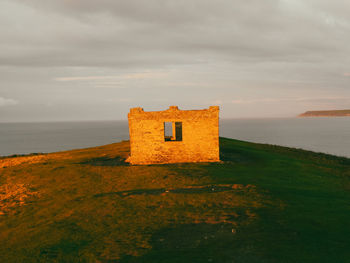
(178, 131)
(172, 131)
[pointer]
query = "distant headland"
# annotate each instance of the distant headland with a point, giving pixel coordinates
(326, 113)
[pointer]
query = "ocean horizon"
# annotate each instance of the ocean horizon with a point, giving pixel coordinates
(327, 135)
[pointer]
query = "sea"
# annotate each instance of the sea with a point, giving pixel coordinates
(327, 135)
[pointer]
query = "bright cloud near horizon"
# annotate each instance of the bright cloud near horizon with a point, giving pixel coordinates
(93, 60)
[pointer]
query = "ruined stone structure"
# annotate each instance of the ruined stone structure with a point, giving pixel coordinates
(174, 136)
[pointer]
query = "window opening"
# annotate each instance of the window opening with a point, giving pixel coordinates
(168, 131)
(178, 131)
(172, 131)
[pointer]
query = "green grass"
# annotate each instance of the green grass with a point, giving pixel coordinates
(263, 203)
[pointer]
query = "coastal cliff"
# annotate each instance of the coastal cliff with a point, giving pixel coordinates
(326, 113)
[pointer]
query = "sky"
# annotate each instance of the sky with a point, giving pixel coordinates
(94, 60)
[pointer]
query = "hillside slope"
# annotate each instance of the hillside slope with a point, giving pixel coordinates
(263, 203)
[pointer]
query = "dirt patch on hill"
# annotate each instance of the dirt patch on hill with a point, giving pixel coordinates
(13, 196)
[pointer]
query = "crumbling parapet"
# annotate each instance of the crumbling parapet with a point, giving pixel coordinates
(173, 135)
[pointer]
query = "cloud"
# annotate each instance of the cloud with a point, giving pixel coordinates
(184, 51)
(119, 100)
(7, 102)
(217, 102)
(86, 78)
(300, 99)
(159, 33)
(144, 75)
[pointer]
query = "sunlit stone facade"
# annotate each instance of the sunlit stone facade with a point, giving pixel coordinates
(174, 136)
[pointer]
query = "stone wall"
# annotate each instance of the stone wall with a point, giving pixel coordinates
(200, 136)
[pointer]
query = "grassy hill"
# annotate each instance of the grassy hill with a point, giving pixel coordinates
(263, 203)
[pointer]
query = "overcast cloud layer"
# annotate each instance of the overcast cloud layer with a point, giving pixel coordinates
(88, 60)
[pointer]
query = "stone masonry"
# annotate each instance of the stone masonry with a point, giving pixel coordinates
(174, 136)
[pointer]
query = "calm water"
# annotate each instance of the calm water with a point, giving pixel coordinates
(329, 135)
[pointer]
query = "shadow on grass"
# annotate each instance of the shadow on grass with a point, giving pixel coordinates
(196, 243)
(106, 161)
(72, 239)
(187, 190)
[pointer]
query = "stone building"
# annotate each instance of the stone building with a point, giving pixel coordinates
(174, 136)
